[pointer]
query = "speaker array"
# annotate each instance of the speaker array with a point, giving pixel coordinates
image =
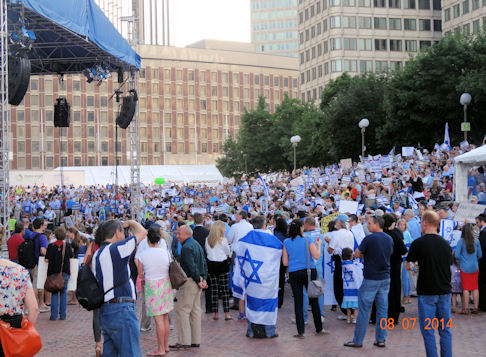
(18, 78)
(62, 113)
(127, 110)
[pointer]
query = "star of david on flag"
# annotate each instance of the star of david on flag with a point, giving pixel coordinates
(254, 266)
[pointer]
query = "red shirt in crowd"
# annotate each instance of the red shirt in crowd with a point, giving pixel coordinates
(13, 244)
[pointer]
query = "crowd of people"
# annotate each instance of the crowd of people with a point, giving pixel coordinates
(377, 222)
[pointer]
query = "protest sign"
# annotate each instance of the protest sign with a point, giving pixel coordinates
(346, 163)
(346, 179)
(348, 206)
(198, 210)
(408, 151)
(468, 211)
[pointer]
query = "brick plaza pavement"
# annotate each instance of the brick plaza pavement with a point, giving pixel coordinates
(73, 337)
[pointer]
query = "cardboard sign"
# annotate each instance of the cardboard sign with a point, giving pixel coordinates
(408, 151)
(346, 163)
(468, 211)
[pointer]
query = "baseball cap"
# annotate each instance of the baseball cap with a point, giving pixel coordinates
(342, 217)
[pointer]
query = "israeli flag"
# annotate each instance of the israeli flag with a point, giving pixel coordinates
(328, 269)
(392, 152)
(447, 139)
(447, 232)
(412, 202)
(265, 187)
(299, 193)
(256, 274)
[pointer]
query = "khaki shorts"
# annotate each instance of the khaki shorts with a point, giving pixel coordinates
(33, 277)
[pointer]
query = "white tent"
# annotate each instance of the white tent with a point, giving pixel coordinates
(462, 165)
(180, 174)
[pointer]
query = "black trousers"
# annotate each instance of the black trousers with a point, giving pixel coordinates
(338, 281)
(281, 285)
(394, 295)
(14, 321)
(298, 280)
(482, 287)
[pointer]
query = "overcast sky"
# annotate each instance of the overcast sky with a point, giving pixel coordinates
(194, 20)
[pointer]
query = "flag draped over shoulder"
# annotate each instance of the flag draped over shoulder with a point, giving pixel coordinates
(255, 275)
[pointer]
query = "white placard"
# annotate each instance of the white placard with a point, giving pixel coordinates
(408, 151)
(346, 179)
(468, 211)
(41, 273)
(188, 201)
(198, 210)
(346, 163)
(348, 207)
(73, 280)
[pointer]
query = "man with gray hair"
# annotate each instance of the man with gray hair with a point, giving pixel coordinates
(188, 308)
(413, 224)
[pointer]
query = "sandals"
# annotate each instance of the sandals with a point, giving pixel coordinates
(228, 318)
(179, 347)
(379, 344)
(352, 344)
(155, 354)
(475, 311)
(215, 318)
(464, 312)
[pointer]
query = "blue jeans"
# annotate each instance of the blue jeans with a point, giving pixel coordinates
(59, 300)
(120, 329)
(435, 307)
(405, 281)
(377, 291)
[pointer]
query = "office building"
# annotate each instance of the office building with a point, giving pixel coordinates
(274, 27)
(190, 100)
(359, 36)
(466, 16)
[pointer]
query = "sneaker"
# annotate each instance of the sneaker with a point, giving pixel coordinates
(342, 317)
(242, 318)
(44, 309)
(145, 329)
(294, 322)
(323, 319)
(354, 321)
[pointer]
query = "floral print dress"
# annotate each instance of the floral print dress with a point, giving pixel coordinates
(14, 282)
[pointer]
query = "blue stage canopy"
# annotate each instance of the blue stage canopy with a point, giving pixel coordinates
(71, 35)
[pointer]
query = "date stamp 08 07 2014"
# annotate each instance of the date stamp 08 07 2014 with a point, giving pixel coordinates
(409, 323)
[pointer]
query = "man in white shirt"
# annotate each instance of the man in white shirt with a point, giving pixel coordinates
(239, 229)
(342, 238)
(356, 229)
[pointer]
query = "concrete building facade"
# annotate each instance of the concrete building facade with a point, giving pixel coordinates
(465, 16)
(274, 27)
(190, 100)
(358, 36)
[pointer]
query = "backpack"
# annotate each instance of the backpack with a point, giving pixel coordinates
(89, 293)
(26, 252)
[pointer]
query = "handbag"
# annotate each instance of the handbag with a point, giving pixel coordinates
(55, 283)
(315, 288)
(20, 342)
(177, 275)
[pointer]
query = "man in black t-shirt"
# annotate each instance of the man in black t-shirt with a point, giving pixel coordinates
(434, 258)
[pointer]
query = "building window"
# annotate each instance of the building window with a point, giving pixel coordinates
(335, 22)
(350, 66)
(90, 101)
(379, 3)
(456, 11)
(395, 24)
(424, 25)
(409, 4)
(381, 66)
(424, 44)
(335, 44)
(410, 45)
(365, 44)
(380, 45)
(409, 24)
(465, 7)
(476, 26)
(394, 4)
(395, 45)
(436, 4)
(364, 22)
(336, 66)
(349, 22)
(438, 25)
(365, 66)
(466, 29)
(475, 4)
(349, 44)
(364, 3)
(424, 4)
(379, 23)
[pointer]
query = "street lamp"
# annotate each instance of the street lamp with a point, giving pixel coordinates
(363, 124)
(465, 101)
(295, 140)
(245, 157)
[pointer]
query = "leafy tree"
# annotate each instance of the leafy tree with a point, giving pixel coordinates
(232, 161)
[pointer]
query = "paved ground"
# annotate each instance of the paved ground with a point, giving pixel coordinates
(74, 337)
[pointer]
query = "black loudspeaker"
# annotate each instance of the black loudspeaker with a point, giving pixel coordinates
(62, 113)
(18, 78)
(127, 110)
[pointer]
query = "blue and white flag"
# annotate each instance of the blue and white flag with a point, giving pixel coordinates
(412, 201)
(299, 193)
(266, 192)
(328, 269)
(256, 275)
(392, 152)
(447, 231)
(447, 139)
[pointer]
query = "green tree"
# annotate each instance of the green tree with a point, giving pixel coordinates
(232, 162)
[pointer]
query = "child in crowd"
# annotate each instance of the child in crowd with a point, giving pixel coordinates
(455, 282)
(352, 279)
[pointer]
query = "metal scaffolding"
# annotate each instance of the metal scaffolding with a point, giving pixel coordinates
(5, 125)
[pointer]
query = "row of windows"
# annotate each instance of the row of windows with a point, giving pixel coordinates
(466, 28)
(271, 15)
(271, 4)
(274, 25)
(366, 22)
(361, 44)
(350, 66)
(315, 9)
(275, 36)
(456, 9)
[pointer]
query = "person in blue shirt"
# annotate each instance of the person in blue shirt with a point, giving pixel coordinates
(471, 183)
(295, 256)
(468, 252)
(413, 225)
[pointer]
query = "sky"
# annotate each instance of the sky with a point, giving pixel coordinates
(194, 20)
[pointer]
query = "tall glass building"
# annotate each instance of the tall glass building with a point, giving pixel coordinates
(274, 27)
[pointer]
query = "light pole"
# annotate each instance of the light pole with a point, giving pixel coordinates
(295, 140)
(465, 101)
(246, 163)
(363, 124)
